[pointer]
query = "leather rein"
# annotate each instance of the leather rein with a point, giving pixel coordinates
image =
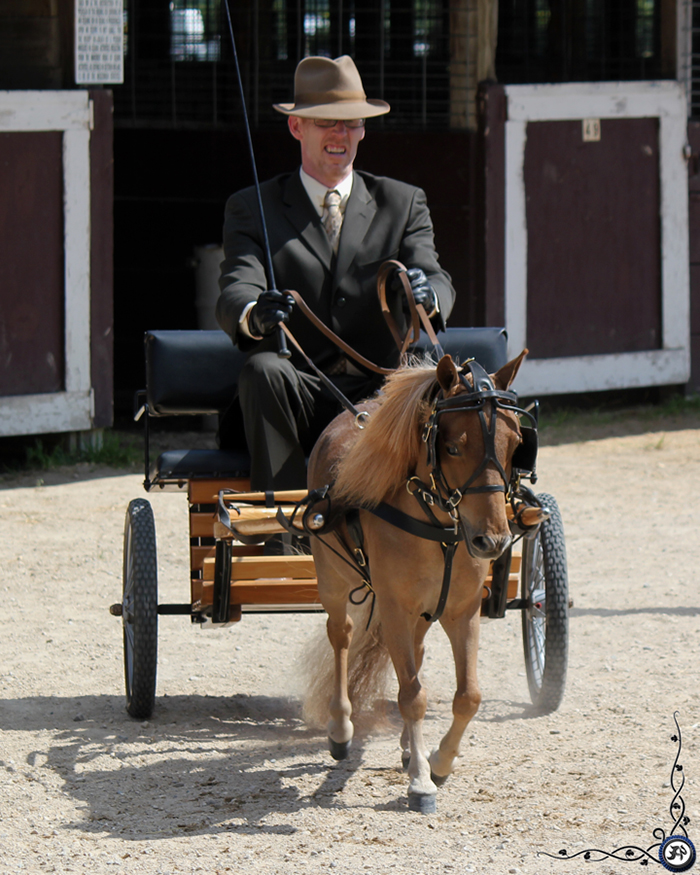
(418, 317)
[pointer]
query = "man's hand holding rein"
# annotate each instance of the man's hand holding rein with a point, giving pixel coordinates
(423, 292)
(271, 308)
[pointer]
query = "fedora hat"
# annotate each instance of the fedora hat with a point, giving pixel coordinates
(326, 88)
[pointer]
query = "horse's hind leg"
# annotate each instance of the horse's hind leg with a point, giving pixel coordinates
(463, 633)
(340, 728)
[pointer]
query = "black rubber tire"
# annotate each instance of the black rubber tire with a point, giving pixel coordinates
(545, 586)
(140, 609)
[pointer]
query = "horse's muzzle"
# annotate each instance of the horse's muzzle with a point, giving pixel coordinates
(487, 546)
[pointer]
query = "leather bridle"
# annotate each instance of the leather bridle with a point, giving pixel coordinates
(480, 396)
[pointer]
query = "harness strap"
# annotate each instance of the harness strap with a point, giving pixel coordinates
(354, 526)
(448, 551)
(448, 539)
(410, 524)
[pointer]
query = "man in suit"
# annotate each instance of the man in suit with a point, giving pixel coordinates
(330, 228)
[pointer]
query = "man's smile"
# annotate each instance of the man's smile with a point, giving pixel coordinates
(327, 154)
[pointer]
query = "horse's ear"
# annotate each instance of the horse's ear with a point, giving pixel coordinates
(447, 374)
(503, 378)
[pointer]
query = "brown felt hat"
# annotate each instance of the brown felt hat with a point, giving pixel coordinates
(326, 88)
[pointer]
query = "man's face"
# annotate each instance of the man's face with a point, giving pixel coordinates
(327, 154)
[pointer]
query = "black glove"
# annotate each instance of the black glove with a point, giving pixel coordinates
(423, 292)
(272, 308)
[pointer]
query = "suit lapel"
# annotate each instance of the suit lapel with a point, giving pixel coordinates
(300, 212)
(359, 213)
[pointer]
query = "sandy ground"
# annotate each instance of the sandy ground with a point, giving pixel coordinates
(227, 778)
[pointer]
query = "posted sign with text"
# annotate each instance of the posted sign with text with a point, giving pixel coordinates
(99, 42)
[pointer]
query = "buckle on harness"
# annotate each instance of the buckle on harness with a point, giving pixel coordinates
(454, 499)
(360, 557)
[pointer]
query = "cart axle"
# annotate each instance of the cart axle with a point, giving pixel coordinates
(117, 610)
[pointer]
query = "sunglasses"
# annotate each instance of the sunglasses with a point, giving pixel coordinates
(332, 122)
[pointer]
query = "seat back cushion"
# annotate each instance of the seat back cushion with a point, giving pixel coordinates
(196, 372)
(190, 372)
(489, 346)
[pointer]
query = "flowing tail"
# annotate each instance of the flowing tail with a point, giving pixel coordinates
(369, 667)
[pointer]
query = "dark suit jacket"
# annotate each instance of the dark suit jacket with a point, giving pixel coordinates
(384, 219)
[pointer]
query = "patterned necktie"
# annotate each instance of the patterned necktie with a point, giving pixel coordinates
(332, 217)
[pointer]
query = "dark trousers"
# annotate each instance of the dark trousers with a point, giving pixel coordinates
(284, 412)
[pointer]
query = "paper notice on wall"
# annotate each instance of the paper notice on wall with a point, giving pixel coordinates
(99, 42)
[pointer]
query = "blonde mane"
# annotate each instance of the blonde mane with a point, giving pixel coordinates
(387, 449)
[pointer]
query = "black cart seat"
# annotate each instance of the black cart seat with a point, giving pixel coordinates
(195, 373)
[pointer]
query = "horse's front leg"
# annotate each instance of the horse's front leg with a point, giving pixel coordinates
(399, 632)
(340, 728)
(463, 632)
(418, 652)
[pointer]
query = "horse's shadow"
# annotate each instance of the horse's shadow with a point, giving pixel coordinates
(202, 765)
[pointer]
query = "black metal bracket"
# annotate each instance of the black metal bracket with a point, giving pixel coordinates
(222, 583)
(495, 606)
(183, 608)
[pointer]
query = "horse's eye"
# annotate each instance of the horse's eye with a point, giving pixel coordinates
(452, 450)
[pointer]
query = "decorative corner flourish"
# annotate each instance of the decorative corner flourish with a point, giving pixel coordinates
(675, 851)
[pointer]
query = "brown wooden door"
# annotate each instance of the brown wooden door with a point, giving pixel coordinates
(593, 238)
(31, 263)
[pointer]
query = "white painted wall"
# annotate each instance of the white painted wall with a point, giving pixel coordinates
(71, 113)
(666, 101)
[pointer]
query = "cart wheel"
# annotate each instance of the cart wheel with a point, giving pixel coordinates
(545, 588)
(140, 609)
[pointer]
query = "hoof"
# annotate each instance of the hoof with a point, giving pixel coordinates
(423, 803)
(405, 759)
(339, 749)
(438, 780)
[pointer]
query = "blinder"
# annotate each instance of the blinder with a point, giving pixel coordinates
(525, 455)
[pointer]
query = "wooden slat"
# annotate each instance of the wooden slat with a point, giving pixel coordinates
(202, 525)
(252, 576)
(207, 492)
(199, 554)
(267, 591)
(250, 521)
(284, 591)
(254, 567)
(249, 567)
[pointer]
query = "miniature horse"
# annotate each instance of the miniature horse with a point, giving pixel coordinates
(470, 436)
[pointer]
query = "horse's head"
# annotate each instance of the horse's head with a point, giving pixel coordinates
(471, 436)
